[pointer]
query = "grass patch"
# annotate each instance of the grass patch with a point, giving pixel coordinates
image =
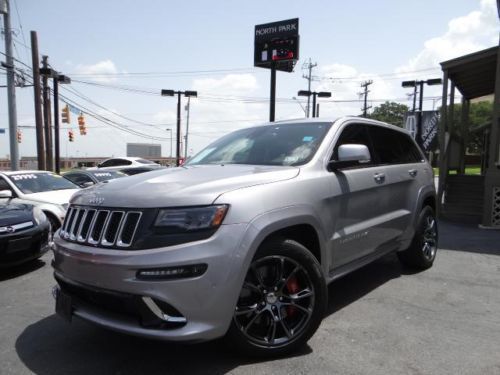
(470, 170)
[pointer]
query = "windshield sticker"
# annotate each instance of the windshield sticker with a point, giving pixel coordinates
(307, 138)
(19, 177)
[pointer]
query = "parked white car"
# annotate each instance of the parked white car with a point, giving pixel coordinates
(121, 162)
(47, 190)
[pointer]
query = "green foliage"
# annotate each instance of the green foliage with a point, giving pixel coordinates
(479, 114)
(390, 112)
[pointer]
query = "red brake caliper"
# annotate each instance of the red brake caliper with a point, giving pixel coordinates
(292, 286)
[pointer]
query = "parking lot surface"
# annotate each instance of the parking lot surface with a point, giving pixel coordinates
(382, 319)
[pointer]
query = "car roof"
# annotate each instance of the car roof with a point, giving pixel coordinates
(340, 120)
(131, 158)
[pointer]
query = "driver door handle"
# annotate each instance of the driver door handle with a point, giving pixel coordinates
(412, 172)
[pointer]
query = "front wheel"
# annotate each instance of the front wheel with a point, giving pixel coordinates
(422, 251)
(282, 301)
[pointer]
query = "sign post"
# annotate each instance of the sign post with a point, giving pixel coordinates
(276, 47)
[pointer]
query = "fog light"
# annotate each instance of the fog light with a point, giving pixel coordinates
(169, 273)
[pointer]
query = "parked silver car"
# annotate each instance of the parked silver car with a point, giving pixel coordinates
(243, 240)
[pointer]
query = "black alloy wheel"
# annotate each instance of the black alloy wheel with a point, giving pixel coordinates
(282, 300)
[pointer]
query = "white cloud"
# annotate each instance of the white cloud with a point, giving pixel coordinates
(230, 84)
(472, 32)
(99, 71)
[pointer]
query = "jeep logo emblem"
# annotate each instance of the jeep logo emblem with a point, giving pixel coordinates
(96, 201)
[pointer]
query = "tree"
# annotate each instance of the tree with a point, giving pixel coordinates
(480, 113)
(390, 112)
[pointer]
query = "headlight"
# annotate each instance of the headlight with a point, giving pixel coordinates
(39, 216)
(178, 220)
(65, 206)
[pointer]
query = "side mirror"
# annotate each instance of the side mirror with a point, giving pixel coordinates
(359, 153)
(99, 165)
(5, 194)
(351, 155)
(87, 184)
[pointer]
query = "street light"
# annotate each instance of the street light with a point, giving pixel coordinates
(420, 84)
(57, 79)
(321, 94)
(179, 93)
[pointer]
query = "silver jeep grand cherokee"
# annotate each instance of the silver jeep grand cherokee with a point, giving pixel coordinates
(242, 241)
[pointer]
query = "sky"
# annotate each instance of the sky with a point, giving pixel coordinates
(120, 54)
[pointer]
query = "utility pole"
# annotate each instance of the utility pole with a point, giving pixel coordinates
(308, 66)
(178, 93)
(38, 102)
(365, 85)
(272, 105)
(47, 115)
(187, 108)
(11, 89)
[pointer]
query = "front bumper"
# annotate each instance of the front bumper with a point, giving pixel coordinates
(93, 277)
(25, 245)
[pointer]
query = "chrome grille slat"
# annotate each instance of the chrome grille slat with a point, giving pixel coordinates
(128, 220)
(109, 234)
(76, 223)
(96, 233)
(104, 227)
(67, 220)
(85, 229)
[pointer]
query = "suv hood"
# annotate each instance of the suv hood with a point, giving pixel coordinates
(184, 186)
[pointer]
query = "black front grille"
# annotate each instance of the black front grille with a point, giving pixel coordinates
(106, 227)
(120, 303)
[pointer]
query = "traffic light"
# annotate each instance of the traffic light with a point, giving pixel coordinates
(65, 115)
(71, 136)
(19, 136)
(81, 124)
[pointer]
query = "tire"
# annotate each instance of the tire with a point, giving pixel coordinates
(423, 248)
(282, 301)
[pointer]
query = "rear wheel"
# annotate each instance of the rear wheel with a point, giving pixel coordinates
(282, 301)
(422, 251)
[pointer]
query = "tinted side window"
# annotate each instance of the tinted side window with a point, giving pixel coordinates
(107, 163)
(119, 162)
(4, 185)
(393, 147)
(354, 134)
(78, 179)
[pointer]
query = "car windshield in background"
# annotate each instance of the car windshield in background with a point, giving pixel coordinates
(144, 161)
(290, 144)
(30, 183)
(110, 175)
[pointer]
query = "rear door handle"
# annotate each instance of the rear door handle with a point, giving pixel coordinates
(412, 172)
(379, 177)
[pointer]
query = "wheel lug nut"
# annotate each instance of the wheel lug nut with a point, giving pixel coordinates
(275, 288)
(265, 291)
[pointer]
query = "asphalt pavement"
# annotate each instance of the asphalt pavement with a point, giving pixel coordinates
(382, 319)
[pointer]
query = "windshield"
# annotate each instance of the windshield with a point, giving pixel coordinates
(30, 183)
(290, 144)
(109, 175)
